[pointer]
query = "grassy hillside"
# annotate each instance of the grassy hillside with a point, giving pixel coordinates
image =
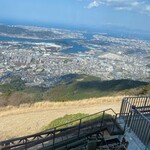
(32, 118)
(73, 119)
(82, 86)
(142, 90)
(70, 87)
(63, 120)
(12, 85)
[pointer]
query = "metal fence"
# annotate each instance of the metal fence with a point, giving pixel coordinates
(136, 113)
(75, 129)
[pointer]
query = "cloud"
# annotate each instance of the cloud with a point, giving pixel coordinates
(135, 5)
(147, 8)
(93, 4)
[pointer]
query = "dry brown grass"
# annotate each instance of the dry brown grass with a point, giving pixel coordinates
(27, 119)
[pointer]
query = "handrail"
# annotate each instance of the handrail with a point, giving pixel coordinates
(140, 101)
(137, 111)
(49, 131)
(136, 119)
(86, 117)
(136, 97)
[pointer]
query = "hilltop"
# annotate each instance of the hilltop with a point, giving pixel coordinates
(69, 87)
(76, 87)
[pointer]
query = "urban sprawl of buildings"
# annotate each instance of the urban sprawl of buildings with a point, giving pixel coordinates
(40, 63)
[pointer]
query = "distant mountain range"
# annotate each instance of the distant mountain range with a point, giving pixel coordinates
(70, 87)
(47, 33)
(32, 32)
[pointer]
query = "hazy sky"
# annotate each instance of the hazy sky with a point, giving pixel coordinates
(93, 13)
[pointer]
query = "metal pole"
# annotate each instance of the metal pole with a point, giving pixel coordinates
(102, 119)
(54, 138)
(79, 127)
(148, 143)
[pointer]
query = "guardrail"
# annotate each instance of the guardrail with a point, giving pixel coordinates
(76, 128)
(136, 112)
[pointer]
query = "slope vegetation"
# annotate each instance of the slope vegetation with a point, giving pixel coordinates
(69, 87)
(76, 87)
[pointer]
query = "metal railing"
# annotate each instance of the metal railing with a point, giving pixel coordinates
(136, 112)
(75, 129)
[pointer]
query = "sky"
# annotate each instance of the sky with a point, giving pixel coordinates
(134, 14)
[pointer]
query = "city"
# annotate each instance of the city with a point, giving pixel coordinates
(39, 63)
(75, 74)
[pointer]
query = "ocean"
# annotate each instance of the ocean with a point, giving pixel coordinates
(71, 42)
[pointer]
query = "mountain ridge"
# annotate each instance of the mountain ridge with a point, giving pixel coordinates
(69, 87)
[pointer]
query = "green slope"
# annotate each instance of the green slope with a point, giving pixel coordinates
(142, 90)
(82, 86)
(70, 87)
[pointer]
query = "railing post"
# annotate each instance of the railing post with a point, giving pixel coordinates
(131, 114)
(79, 127)
(114, 123)
(145, 104)
(102, 119)
(54, 138)
(122, 104)
(148, 144)
(126, 122)
(26, 143)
